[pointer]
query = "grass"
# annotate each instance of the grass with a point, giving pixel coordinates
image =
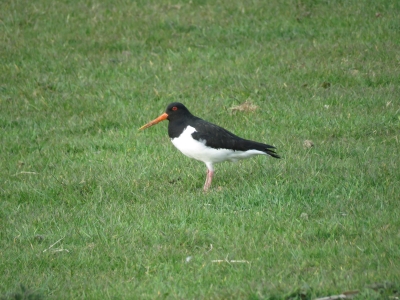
(93, 209)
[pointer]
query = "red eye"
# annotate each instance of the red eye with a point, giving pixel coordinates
(174, 108)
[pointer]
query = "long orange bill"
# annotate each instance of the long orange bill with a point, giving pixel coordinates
(163, 117)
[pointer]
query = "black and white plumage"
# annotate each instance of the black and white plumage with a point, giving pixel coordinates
(205, 141)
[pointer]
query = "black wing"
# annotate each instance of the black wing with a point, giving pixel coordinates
(220, 138)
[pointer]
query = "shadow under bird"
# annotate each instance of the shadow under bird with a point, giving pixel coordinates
(205, 141)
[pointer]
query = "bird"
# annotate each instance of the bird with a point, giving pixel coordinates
(205, 141)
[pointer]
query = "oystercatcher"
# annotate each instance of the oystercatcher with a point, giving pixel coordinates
(205, 141)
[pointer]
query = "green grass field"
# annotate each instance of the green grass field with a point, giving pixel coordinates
(91, 208)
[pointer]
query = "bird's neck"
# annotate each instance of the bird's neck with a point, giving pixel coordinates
(177, 126)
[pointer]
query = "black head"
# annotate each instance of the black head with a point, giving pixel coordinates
(176, 110)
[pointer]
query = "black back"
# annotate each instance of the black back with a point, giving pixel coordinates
(214, 136)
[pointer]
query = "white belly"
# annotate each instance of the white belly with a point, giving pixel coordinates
(198, 149)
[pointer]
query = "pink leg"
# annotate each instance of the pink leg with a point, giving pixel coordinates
(209, 177)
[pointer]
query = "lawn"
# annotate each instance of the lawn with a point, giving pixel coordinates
(92, 208)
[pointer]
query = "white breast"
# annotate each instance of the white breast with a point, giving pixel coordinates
(198, 149)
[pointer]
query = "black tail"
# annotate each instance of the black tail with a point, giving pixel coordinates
(270, 150)
(251, 145)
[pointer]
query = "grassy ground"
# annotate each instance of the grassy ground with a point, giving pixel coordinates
(93, 209)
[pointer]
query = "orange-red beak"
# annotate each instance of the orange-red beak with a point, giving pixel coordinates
(163, 117)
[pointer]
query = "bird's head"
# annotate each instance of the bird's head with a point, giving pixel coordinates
(174, 110)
